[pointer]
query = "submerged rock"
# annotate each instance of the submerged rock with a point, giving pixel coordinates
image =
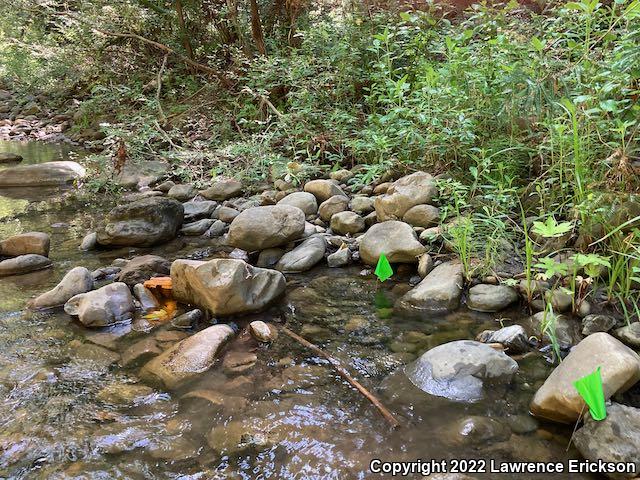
(396, 240)
(108, 305)
(304, 256)
(144, 223)
(78, 280)
(41, 174)
(459, 370)
(37, 243)
(258, 228)
(491, 298)
(8, 157)
(615, 439)
(439, 291)
(23, 264)
(225, 286)
(558, 400)
(188, 358)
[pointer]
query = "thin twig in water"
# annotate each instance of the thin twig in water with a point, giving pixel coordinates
(344, 374)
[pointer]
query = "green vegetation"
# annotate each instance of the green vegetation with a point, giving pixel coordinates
(533, 118)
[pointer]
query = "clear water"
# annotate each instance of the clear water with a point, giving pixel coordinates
(67, 410)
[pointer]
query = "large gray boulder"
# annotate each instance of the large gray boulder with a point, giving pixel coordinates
(615, 439)
(459, 370)
(258, 228)
(108, 305)
(41, 174)
(78, 280)
(404, 193)
(188, 358)
(225, 286)
(396, 240)
(439, 291)
(143, 223)
(37, 243)
(491, 298)
(558, 400)
(424, 216)
(305, 201)
(304, 256)
(23, 264)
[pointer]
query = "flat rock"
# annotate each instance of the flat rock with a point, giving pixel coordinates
(558, 400)
(198, 227)
(23, 264)
(396, 240)
(37, 243)
(41, 174)
(304, 256)
(439, 291)
(225, 286)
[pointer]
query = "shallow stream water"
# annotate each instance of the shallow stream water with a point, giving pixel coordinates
(68, 410)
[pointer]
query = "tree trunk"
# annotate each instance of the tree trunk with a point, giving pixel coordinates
(256, 28)
(186, 43)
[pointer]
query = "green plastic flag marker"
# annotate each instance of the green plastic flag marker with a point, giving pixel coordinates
(383, 269)
(590, 389)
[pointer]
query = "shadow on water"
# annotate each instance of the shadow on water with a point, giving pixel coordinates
(68, 410)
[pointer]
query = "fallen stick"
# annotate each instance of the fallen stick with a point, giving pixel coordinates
(344, 374)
